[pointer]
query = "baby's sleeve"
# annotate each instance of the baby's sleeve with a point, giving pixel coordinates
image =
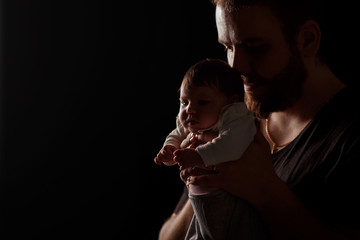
(237, 131)
(176, 136)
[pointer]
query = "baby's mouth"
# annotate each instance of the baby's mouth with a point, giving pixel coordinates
(191, 122)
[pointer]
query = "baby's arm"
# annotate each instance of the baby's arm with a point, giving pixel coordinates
(236, 134)
(175, 140)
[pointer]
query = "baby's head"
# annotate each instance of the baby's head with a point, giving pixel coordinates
(215, 73)
(207, 87)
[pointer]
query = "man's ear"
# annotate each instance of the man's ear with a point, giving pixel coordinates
(309, 38)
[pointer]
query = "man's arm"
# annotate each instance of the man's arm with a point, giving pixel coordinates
(177, 225)
(253, 178)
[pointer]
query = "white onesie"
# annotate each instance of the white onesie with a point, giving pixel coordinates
(236, 129)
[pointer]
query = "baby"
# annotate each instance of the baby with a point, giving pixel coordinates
(213, 123)
(213, 126)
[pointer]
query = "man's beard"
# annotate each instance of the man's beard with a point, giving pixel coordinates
(281, 92)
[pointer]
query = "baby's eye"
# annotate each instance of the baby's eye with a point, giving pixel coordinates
(227, 49)
(184, 103)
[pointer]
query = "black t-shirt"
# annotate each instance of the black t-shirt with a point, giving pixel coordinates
(322, 164)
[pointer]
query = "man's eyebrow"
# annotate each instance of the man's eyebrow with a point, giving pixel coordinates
(246, 41)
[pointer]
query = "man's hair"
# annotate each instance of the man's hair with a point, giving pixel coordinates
(217, 73)
(291, 13)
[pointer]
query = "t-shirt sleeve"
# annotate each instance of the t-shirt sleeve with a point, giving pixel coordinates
(342, 189)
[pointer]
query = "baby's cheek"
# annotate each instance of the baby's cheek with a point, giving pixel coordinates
(209, 121)
(182, 117)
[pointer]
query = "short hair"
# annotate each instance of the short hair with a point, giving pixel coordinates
(215, 72)
(291, 13)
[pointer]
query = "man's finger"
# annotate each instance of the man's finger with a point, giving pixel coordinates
(194, 171)
(209, 180)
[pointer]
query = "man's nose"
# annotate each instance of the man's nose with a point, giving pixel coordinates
(240, 61)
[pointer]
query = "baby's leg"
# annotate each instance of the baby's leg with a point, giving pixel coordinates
(220, 215)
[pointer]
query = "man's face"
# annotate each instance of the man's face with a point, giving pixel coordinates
(272, 71)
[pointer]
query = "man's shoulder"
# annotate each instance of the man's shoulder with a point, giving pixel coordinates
(344, 106)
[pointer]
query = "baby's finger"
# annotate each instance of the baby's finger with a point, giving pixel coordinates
(178, 152)
(177, 157)
(157, 161)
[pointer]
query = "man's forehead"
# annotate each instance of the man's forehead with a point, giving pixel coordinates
(246, 25)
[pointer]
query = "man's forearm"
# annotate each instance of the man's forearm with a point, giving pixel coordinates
(177, 225)
(287, 217)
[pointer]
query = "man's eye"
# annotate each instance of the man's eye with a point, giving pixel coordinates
(257, 49)
(204, 102)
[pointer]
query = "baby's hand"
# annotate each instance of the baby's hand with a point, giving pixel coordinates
(187, 158)
(165, 156)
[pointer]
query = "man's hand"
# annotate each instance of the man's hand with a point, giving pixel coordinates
(244, 177)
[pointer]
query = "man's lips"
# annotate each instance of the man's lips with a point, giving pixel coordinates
(249, 87)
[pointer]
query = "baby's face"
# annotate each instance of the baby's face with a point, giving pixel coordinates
(200, 107)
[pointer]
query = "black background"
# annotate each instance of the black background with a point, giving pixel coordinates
(88, 94)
